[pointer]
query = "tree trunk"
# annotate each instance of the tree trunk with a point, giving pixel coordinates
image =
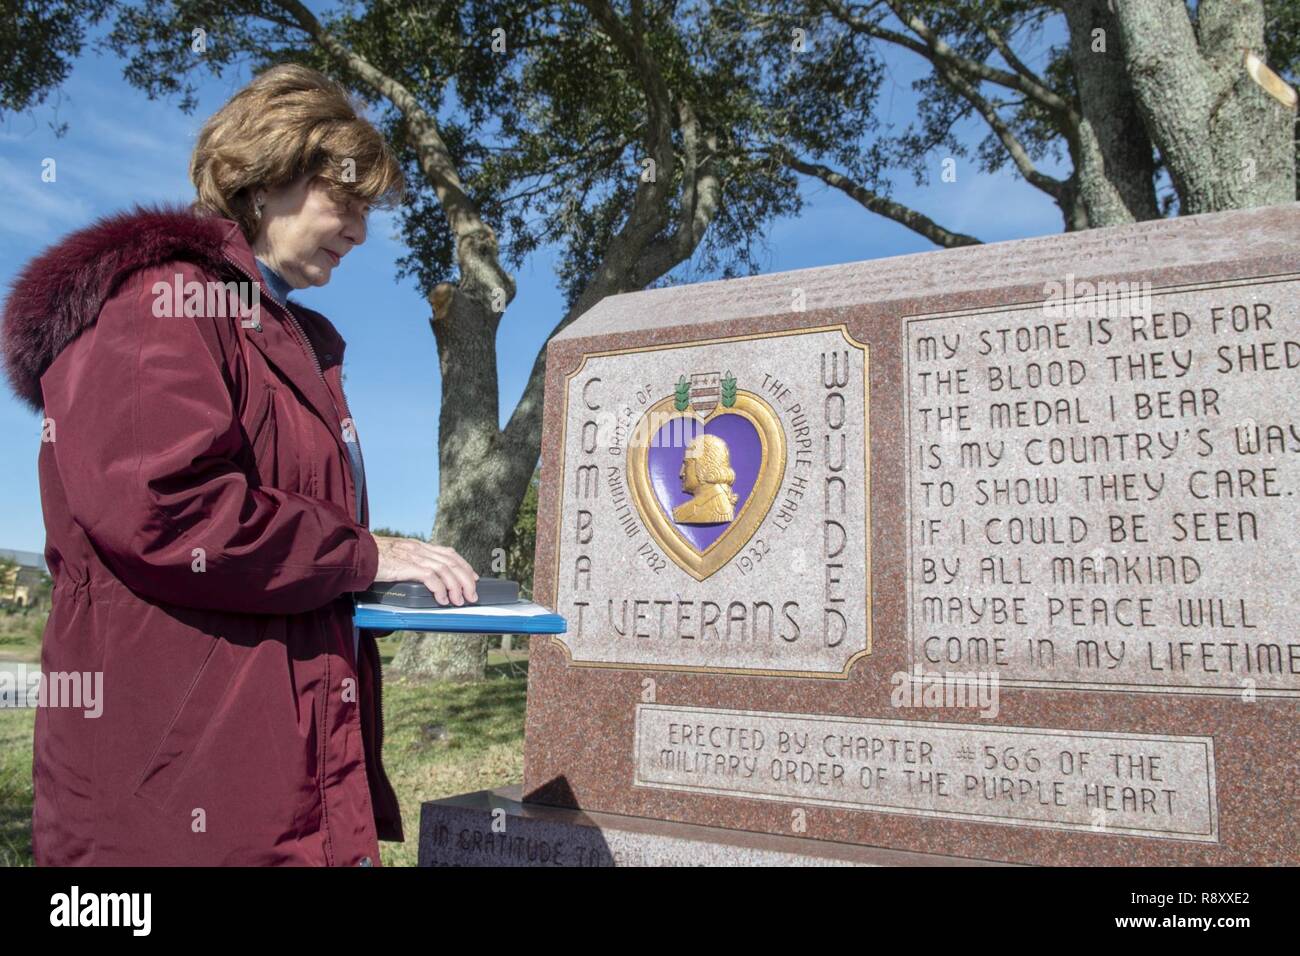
(1227, 143)
(474, 522)
(1114, 165)
(483, 476)
(485, 470)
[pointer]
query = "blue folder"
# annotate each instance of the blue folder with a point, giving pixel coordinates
(522, 618)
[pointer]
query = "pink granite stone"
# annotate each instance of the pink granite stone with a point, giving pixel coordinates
(1218, 759)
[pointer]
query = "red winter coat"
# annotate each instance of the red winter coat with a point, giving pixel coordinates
(199, 509)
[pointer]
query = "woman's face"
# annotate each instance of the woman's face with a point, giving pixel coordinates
(304, 233)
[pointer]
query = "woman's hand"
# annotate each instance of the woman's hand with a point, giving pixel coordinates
(441, 570)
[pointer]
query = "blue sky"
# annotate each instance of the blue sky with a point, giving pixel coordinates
(121, 148)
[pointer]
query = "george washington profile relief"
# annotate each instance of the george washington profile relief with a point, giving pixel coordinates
(706, 475)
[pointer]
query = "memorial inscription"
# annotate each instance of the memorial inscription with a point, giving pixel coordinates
(1105, 782)
(716, 506)
(1103, 489)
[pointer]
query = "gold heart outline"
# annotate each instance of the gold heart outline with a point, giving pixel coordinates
(771, 470)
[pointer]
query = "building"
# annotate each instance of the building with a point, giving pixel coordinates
(22, 578)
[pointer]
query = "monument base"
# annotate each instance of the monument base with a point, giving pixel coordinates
(459, 831)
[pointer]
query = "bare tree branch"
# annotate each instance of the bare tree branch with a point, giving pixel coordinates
(935, 49)
(634, 257)
(1008, 54)
(916, 221)
(1015, 149)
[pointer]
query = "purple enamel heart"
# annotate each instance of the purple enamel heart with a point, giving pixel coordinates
(667, 451)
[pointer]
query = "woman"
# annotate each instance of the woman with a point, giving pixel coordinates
(205, 509)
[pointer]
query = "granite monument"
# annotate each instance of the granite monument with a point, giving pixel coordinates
(978, 555)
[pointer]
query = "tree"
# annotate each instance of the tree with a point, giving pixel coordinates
(594, 117)
(1140, 88)
(8, 581)
(1226, 141)
(39, 39)
(521, 546)
(642, 136)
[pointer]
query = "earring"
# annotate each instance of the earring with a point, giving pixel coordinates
(257, 210)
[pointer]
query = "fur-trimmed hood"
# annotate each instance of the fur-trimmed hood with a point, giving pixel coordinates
(59, 293)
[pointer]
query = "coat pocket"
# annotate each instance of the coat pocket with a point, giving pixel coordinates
(188, 727)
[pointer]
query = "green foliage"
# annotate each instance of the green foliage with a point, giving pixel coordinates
(729, 390)
(16, 731)
(681, 394)
(21, 630)
(390, 533)
(822, 103)
(7, 568)
(39, 39)
(548, 135)
(521, 545)
(1282, 33)
(575, 133)
(818, 101)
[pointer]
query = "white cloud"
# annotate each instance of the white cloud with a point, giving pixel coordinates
(35, 209)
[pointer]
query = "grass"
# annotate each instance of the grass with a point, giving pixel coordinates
(440, 739)
(16, 787)
(443, 739)
(20, 635)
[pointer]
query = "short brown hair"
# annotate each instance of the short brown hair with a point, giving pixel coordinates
(288, 122)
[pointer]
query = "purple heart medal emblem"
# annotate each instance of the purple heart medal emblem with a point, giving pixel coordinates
(706, 469)
(703, 473)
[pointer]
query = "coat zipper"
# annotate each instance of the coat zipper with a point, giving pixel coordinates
(311, 352)
(302, 336)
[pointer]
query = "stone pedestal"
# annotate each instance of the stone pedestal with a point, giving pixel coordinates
(460, 831)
